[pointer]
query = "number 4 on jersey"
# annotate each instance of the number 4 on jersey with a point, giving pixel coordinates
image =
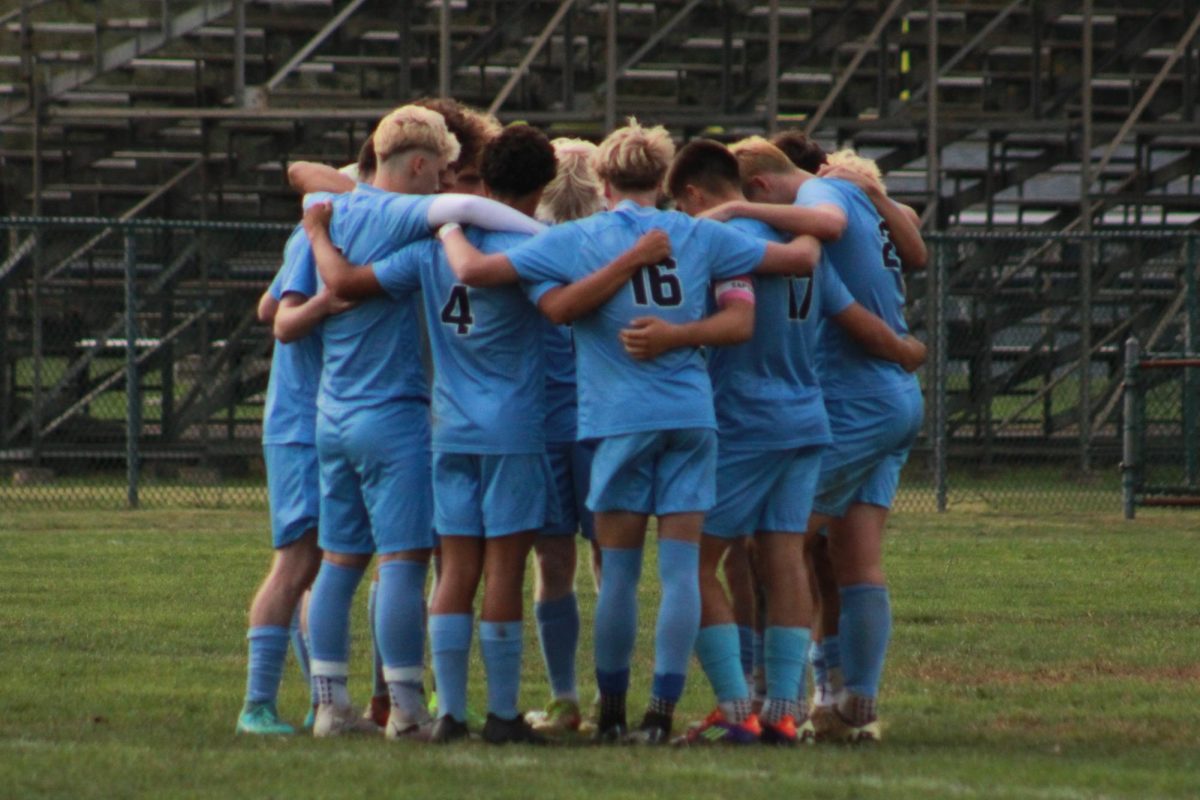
(457, 310)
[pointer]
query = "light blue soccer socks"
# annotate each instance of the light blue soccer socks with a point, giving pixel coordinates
(616, 618)
(717, 650)
(400, 633)
(864, 628)
(501, 645)
(450, 641)
(785, 653)
(558, 631)
(300, 645)
(329, 630)
(745, 649)
(268, 646)
(378, 684)
(678, 621)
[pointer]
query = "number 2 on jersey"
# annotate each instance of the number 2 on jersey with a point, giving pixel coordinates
(457, 310)
(800, 295)
(891, 258)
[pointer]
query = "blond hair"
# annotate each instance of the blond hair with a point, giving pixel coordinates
(576, 191)
(848, 159)
(756, 156)
(634, 158)
(414, 128)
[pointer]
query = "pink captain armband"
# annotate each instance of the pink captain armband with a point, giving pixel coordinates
(734, 289)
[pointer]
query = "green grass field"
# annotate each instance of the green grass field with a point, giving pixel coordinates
(1049, 658)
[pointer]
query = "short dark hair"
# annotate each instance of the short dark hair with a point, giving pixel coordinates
(704, 163)
(518, 162)
(800, 150)
(367, 162)
(471, 135)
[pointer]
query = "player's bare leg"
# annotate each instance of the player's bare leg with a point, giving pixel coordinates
(739, 577)
(826, 660)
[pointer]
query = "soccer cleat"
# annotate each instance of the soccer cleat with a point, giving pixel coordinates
(334, 720)
(414, 729)
(510, 731)
(654, 730)
(716, 729)
(261, 719)
(610, 733)
(560, 718)
(787, 733)
(831, 726)
(447, 729)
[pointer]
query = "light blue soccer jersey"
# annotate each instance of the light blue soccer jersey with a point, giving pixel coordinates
(562, 407)
(372, 353)
(290, 413)
(488, 388)
(766, 391)
(618, 394)
(866, 261)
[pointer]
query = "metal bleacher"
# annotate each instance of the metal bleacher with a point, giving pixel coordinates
(192, 108)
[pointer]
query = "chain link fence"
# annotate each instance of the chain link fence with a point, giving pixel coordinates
(1023, 410)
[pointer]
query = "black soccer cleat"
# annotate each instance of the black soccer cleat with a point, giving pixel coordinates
(447, 729)
(654, 730)
(510, 731)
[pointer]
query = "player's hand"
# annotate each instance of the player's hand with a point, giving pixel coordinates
(317, 217)
(653, 247)
(647, 338)
(866, 183)
(723, 212)
(915, 354)
(335, 305)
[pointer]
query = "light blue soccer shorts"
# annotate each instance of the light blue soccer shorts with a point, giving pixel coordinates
(655, 472)
(764, 491)
(293, 489)
(571, 463)
(492, 495)
(871, 440)
(376, 495)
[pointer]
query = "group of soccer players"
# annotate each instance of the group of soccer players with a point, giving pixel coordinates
(738, 367)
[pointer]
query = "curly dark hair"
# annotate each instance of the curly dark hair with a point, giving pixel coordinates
(472, 135)
(518, 162)
(704, 163)
(802, 151)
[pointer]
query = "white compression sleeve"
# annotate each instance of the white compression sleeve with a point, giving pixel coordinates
(469, 209)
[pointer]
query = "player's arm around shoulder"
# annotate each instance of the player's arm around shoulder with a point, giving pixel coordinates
(565, 304)
(470, 266)
(647, 338)
(825, 221)
(879, 340)
(298, 315)
(309, 176)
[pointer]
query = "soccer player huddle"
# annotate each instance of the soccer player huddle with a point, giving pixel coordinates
(739, 367)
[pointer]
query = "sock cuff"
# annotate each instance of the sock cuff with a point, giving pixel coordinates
(329, 669)
(276, 632)
(788, 637)
(404, 674)
(678, 548)
(862, 588)
(500, 631)
(614, 682)
(708, 632)
(450, 631)
(416, 568)
(566, 606)
(334, 568)
(668, 686)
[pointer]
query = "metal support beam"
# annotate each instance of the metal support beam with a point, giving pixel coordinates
(1085, 247)
(661, 34)
(968, 48)
(773, 68)
(316, 41)
(1129, 455)
(133, 399)
(859, 54)
(239, 53)
(444, 65)
(538, 44)
(932, 155)
(610, 68)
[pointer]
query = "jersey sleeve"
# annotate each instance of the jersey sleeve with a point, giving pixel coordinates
(550, 257)
(731, 252)
(819, 192)
(535, 290)
(834, 296)
(405, 218)
(298, 275)
(400, 273)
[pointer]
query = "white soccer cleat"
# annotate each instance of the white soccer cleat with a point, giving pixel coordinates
(411, 728)
(332, 720)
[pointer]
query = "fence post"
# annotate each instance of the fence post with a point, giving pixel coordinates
(1191, 391)
(1129, 448)
(939, 373)
(133, 399)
